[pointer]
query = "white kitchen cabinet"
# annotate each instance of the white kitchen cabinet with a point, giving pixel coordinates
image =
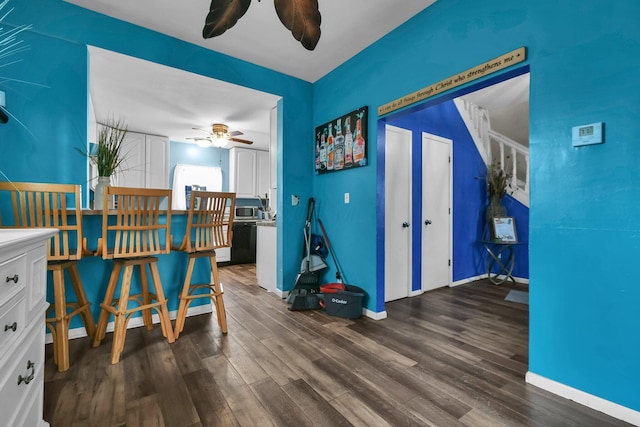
(132, 170)
(145, 164)
(263, 168)
(248, 172)
(23, 272)
(157, 161)
(223, 254)
(266, 256)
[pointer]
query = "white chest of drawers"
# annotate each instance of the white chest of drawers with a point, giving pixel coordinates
(23, 276)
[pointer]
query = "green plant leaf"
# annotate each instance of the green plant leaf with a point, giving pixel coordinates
(109, 154)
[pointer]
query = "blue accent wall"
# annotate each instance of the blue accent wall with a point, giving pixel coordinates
(469, 192)
(583, 59)
(469, 196)
(54, 110)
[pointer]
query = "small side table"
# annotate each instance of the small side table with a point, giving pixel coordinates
(496, 253)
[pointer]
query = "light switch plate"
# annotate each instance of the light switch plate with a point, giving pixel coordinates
(587, 134)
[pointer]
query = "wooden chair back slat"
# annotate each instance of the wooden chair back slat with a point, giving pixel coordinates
(209, 221)
(140, 227)
(39, 205)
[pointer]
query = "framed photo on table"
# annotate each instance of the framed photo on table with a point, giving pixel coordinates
(505, 229)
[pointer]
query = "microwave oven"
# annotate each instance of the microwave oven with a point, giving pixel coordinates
(246, 212)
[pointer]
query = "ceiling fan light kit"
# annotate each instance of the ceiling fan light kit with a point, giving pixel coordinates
(219, 136)
(301, 17)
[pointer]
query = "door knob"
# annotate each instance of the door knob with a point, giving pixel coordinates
(405, 224)
(427, 222)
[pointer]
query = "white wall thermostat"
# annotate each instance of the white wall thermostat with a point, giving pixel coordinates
(587, 134)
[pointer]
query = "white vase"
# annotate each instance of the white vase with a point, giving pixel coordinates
(98, 192)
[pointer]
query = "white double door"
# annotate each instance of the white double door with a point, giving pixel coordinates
(435, 219)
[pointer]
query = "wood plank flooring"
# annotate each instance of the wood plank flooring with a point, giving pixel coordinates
(451, 357)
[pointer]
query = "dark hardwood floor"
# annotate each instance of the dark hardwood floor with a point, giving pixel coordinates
(451, 357)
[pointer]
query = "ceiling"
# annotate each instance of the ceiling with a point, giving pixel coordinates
(508, 106)
(259, 36)
(127, 88)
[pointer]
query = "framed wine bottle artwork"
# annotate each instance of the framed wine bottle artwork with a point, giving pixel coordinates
(341, 144)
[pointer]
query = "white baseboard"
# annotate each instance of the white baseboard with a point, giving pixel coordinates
(416, 293)
(468, 280)
(282, 294)
(375, 315)
(522, 280)
(136, 322)
(594, 402)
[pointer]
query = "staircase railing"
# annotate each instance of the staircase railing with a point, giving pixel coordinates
(496, 148)
(513, 158)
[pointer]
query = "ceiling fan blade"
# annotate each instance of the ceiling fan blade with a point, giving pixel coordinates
(202, 130)
(235, 133)
(223, 14)
(242, 141)
(303, 18)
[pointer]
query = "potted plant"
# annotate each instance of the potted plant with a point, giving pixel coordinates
(498, 182)
(108, 156)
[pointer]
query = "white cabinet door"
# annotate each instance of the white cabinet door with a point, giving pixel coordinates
(266, 257)
(248, 172)
(157, 161)
(133, 167)
(263, 173)
(242, 172)
(146, 162)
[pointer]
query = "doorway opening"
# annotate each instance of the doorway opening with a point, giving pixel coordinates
(501, 95)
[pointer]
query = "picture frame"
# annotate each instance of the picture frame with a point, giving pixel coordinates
(341, 144)
(504, 229)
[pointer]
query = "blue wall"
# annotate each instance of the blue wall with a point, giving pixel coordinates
(583, 59)
(55, 111)
(469, 192)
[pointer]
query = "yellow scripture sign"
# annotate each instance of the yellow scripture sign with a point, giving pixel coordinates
(497, 64)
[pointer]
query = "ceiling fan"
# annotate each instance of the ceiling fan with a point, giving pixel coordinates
(219, 136)
(301, 17)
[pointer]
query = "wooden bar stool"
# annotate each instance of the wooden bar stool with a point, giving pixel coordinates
(131, 237)
(209, 227)
(56, 206)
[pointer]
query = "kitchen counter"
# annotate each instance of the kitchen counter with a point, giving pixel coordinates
(265, 222)
(95, 271)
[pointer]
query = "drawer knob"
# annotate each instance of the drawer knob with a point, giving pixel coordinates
(13, 327)
(29, 378)
(13, 279)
